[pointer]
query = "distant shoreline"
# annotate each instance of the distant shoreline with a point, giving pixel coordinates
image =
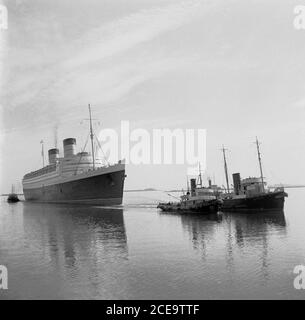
(137, 190)
(180, 190)
(176, 190)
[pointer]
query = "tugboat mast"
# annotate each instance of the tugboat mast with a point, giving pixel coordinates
(226, 167)
(200, 177)
(91, 137)
(260, 162)
(187, 184)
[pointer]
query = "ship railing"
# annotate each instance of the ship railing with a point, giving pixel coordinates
(47, 169)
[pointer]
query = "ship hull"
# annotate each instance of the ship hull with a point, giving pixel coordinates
(12, 198)
(103, 189)
(203, 207)
(267, 202)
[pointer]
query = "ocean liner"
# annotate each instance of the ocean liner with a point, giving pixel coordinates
(78, 178)
(252, 194)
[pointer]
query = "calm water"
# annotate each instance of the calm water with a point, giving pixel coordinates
(136, 252)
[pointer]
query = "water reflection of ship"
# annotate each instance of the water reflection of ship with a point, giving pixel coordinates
(249, 231)
(250, 227)
(254, 231)
(72, 233)
(200, 228)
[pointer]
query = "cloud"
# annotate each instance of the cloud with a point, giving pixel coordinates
(299, 104)
(123, 34)
(102, 65)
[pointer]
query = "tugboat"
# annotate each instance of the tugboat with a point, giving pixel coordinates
(12, 197)
(252, 194)
(200, 199)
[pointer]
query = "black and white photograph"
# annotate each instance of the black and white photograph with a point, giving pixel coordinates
(152, 150)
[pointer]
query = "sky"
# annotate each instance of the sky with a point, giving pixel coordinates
(233, 67)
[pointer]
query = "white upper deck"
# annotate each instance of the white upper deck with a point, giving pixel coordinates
(70, 167)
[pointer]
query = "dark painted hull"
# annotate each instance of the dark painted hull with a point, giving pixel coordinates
(273, 201)
(12, 198)
(204, 207)
(103, 189)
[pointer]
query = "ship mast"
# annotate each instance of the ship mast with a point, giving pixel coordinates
(91, 137)
(260, 162)
(187, 183)
(42, 152)
(226, 167)
(199, 176)
(55, 136)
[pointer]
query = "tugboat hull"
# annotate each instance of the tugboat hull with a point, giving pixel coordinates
(205, 207)
(273, 201)
(12, 198)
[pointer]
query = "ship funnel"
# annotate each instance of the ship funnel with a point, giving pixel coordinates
(236, 183)
(69, 147)
(193, 187)
(53, 155)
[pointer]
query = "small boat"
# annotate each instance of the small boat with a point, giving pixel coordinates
(12, 197)
(252, 194)
(200, 199)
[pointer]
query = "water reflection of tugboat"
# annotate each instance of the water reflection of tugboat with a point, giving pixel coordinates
(199, 199)
(252, 193)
